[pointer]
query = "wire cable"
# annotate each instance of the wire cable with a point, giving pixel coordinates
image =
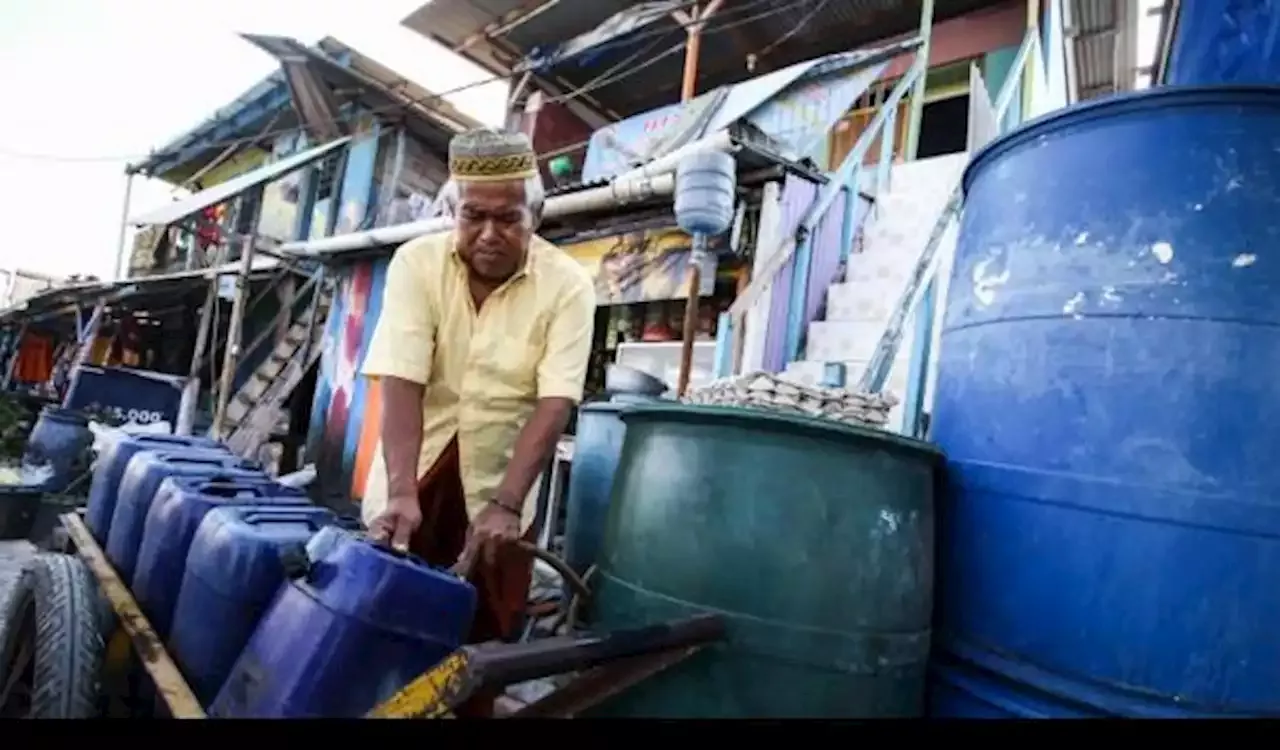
(793, 31)
(714, 25)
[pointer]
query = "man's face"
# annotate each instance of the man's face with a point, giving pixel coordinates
(492, 228)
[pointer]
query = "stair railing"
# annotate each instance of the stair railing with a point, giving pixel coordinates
(918, 296)
(845, 180)
(289, 312)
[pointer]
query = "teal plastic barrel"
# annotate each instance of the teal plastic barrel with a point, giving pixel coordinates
(813, 539)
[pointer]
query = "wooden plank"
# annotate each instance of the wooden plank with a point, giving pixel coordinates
(169, 682)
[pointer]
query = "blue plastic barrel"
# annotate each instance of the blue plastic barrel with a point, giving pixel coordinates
(135, 396)
(597, 444)
(347, 633)
(142, 477)
(111, 463)
(179, 506)
(235, 566)
(1109, 540)
(59, 439)
(1225, 41)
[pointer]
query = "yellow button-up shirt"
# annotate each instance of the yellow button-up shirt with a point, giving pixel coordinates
(483, 370)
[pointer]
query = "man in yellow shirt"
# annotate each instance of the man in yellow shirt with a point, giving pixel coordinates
(482, 349)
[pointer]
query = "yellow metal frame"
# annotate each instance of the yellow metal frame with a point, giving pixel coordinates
(427, 697)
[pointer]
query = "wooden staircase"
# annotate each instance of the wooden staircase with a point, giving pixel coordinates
(256, 411)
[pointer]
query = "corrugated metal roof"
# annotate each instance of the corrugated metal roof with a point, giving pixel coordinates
(193, 204)
(379, 83)
(737, 30)
(133, 292)
(1102, 32)
(255, 93)
(376, 86)
(422, 101)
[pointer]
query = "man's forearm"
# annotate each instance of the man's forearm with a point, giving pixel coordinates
(533, 447)
(401, 434)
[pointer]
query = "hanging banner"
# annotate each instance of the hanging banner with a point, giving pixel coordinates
(644, 265)
(795, 107)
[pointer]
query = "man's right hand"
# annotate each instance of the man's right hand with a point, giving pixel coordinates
(397, 523)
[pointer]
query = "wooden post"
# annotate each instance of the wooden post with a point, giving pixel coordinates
(84, 346)
(235, 328)
(191, 392)
(12, 363)
(688, 89)
(917, 94)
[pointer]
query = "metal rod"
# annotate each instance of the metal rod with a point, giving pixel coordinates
(124, 226)
(917, 96)
(508, 664)
(450, 683)
(603, 682)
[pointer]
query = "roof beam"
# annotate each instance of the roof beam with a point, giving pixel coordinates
(227, 129)
(509, 21)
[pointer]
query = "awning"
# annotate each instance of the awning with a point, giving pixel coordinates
(136, 292)
(179, 210)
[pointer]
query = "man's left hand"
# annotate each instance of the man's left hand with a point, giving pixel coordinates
(494, 527)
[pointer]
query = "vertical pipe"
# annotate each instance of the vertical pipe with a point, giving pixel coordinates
(121, 254)
(688, 89)
(724, 347)
(885, 163)
(799, 302)
(917, 95)
(849, 219)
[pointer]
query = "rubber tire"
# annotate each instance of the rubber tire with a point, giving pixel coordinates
(69, 646)
(15, 603)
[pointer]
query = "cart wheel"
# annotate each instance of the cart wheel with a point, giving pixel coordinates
(17, 631)
(68, 641)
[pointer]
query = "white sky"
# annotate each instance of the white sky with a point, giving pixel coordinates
(90, 81)
(1148, 40)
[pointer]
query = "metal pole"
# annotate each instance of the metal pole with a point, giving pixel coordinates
(121, 255)
(688, 89)
(917, 94)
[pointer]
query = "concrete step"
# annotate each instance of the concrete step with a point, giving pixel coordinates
(847, 340)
